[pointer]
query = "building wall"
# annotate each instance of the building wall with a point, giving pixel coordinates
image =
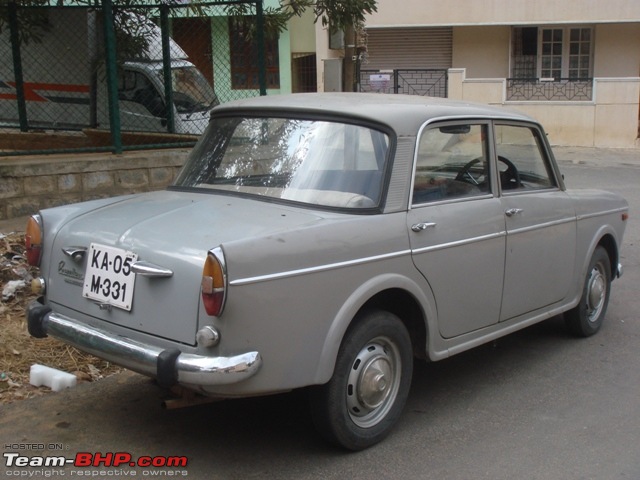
(303, 36)
(481, 59)
(617, 50)
(611, 120)
(482, 51)
(501, 12)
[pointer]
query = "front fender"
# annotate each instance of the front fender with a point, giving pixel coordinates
(588, 247)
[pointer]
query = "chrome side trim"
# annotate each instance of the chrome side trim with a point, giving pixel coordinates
(603, 213)
(458, 243)
(446, 201)
(319, 268)
(541, 226)
(144, 358)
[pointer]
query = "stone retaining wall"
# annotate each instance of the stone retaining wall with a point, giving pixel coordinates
(29, 184)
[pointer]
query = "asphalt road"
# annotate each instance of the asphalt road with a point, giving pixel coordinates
(535, 405)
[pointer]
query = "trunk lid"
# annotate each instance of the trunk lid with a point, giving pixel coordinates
(172, 230)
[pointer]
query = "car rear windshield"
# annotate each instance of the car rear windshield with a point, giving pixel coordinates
(317, 162)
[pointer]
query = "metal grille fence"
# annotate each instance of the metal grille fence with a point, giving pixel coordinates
(563, 89)
(114, 79)
(426, 82)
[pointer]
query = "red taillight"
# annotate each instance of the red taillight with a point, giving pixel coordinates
(33, 240)
(214, 282)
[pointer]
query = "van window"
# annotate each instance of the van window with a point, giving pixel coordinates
(135, 87)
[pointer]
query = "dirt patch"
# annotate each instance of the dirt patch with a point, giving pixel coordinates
(18, 350)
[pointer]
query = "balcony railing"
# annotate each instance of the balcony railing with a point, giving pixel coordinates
(552, 89)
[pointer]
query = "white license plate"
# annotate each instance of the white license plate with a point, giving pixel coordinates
(108, 277)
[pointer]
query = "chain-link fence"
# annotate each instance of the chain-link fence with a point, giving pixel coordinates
(112, 78)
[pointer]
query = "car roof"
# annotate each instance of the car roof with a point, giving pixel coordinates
(404, 113)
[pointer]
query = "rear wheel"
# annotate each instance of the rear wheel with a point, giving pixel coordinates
(363, 400)
(586, 318)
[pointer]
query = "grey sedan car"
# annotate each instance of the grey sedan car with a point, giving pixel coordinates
(326, 241)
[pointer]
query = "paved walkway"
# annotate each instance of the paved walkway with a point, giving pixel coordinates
(575, 155)
(598, 156)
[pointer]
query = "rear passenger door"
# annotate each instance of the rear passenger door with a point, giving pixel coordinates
(456, 225)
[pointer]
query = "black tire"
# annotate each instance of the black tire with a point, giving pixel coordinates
(586, 318)
(361, 403)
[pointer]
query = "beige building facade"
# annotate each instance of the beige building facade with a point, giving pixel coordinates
(573, 65)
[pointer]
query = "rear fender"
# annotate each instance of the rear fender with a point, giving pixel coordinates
(355, 302)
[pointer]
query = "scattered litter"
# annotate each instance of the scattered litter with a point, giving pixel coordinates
(56, 380)
(10, 289)
(19, 351)
(22, 273)
(94, 372)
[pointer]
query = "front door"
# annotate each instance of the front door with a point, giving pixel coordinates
(540, 221)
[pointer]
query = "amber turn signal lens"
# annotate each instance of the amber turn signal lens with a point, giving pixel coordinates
(213, 286)
(33, 240)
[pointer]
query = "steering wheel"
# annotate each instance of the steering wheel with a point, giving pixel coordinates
(509, 178)
(464, 175)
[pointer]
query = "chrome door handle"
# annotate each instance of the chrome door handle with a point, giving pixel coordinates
(513, 211)
(418, 227)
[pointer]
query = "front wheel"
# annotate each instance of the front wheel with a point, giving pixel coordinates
(586, 318)
(363, 400)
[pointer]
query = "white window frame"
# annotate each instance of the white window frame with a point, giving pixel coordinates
(565, 55)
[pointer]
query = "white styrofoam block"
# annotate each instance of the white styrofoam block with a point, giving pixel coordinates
(56, 380)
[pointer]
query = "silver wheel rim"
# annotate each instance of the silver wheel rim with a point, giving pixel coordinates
(596, 293)
(373, 382)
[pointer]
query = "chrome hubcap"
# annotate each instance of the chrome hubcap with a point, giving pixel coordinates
(373, 385)
(373, 382)
(596, 293)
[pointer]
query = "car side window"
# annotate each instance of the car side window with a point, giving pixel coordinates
(451, 163)
(522, 162)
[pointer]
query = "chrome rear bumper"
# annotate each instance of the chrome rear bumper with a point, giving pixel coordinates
(169, 366)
